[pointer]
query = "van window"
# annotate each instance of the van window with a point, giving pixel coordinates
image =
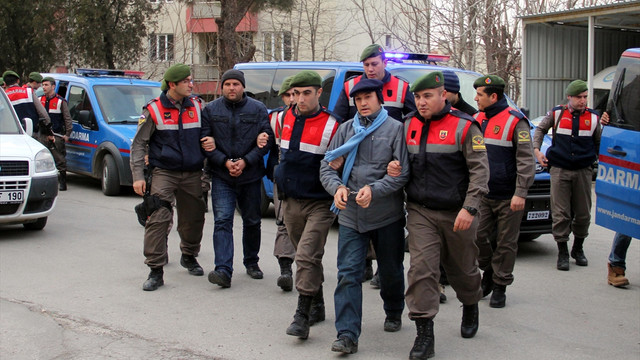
(624, 103)
(467, 91)
(328, 76)
(123, 103)
(78, 100)
(258, 84)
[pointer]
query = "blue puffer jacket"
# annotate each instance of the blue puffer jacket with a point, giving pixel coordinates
(235, 128)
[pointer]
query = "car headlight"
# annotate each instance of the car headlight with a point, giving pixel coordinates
(44, 161)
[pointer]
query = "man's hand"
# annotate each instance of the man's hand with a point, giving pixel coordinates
(394, 169)
(235, 167)
(139, 186)
(340, 197)
(517, 203)
(336, 164)
(604, 119)
(463, 221)
(208, 143)
(262, 139)
(51, 138)
(364, 197)
(66, 138)
(542, 160)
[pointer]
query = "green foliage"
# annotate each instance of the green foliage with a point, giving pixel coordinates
(28, 35)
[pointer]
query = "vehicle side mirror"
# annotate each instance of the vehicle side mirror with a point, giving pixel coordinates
(27, 126)
(86, 119)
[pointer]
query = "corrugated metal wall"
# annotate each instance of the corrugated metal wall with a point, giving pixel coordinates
(555, 55)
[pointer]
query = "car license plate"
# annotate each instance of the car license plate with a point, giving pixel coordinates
(538, 215)
(11, 196)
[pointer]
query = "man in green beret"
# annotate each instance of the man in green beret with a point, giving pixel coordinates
(27, 105)
(58, 110)
(306, 133)
(283, 248)
(512, 168)
(35, 81)
(2, 83)
(449, 174)
(170, 128)
(576, 139)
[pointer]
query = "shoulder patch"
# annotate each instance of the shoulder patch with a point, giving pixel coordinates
(516, 113)
(524, 136)
(477, 143)
(141, 120)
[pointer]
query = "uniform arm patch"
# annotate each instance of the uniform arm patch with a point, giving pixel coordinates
(524, 136)
(477, 143)
(141, 120)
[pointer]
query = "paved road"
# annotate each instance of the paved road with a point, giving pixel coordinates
(73, 291)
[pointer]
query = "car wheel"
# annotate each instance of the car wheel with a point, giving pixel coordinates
(37, 225)
(110, 179)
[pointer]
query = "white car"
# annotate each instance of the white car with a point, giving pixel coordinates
(28, 175)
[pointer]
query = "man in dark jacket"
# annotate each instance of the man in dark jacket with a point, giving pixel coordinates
(237, 168)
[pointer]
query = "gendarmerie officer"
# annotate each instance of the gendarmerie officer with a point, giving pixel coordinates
(26, 105)
(574, 148)
(449, 174)
(454, 96)
(61, 125)
(512, 170)
(171, 126)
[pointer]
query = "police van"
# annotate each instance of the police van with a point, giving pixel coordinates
(618, 181)
(264, 79)
(105, 106)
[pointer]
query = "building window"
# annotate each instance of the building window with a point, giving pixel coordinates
(161, 47)
(277, 46)
(208, 48)
(387, 41)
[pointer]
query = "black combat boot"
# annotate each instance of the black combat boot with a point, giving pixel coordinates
(285, 280)
(469, 325)
(487, 281)
(190, 263)
(563, 256)
(154, 280)
(424, 343)
(300, 325)
(498, 298)
(316, 314)
(577, 252)
(62, 181)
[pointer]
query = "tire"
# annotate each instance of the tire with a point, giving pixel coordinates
(37, 225)
(110, 180)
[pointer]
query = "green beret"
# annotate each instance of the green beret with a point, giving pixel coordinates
(49, 79)
(371, 51)
(35, 76)
(431, 80)
(175, 73)
(306, 78)
(10, 72)
(576, 87)
(488, 80)
(286, 85)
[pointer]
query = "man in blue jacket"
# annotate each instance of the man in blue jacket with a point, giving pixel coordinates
(237, 168)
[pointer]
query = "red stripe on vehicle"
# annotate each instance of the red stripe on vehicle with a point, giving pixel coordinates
(619, 162)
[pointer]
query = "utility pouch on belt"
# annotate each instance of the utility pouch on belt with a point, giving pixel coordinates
(153, 203)
(150, 203)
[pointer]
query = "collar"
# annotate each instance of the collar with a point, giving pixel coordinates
(235, 104)
(368, 120)
(294, 108)
(168, 102)
(572, 110)
(385, 79)
(494, 109)
(445, 110)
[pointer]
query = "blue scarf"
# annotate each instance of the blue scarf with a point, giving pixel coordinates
(351, 146)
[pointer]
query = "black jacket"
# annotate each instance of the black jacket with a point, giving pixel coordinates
(235, 128)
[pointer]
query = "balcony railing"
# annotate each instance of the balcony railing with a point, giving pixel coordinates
(206, 10)
(205, 72)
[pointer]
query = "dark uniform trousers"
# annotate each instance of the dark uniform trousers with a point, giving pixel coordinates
(432, 241)
(570, 202)
(58, 150)
(308, 222)
(186, 189)
(497, 214)
(283, 247)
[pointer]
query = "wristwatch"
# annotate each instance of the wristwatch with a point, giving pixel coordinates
(473, 211)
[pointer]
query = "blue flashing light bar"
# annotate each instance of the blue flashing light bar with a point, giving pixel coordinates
(428, 58)
(109, 72)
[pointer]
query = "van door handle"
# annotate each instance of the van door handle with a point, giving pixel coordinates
(613, 151)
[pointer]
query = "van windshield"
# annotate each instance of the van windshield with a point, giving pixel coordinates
(123, 103)
(466, 81)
